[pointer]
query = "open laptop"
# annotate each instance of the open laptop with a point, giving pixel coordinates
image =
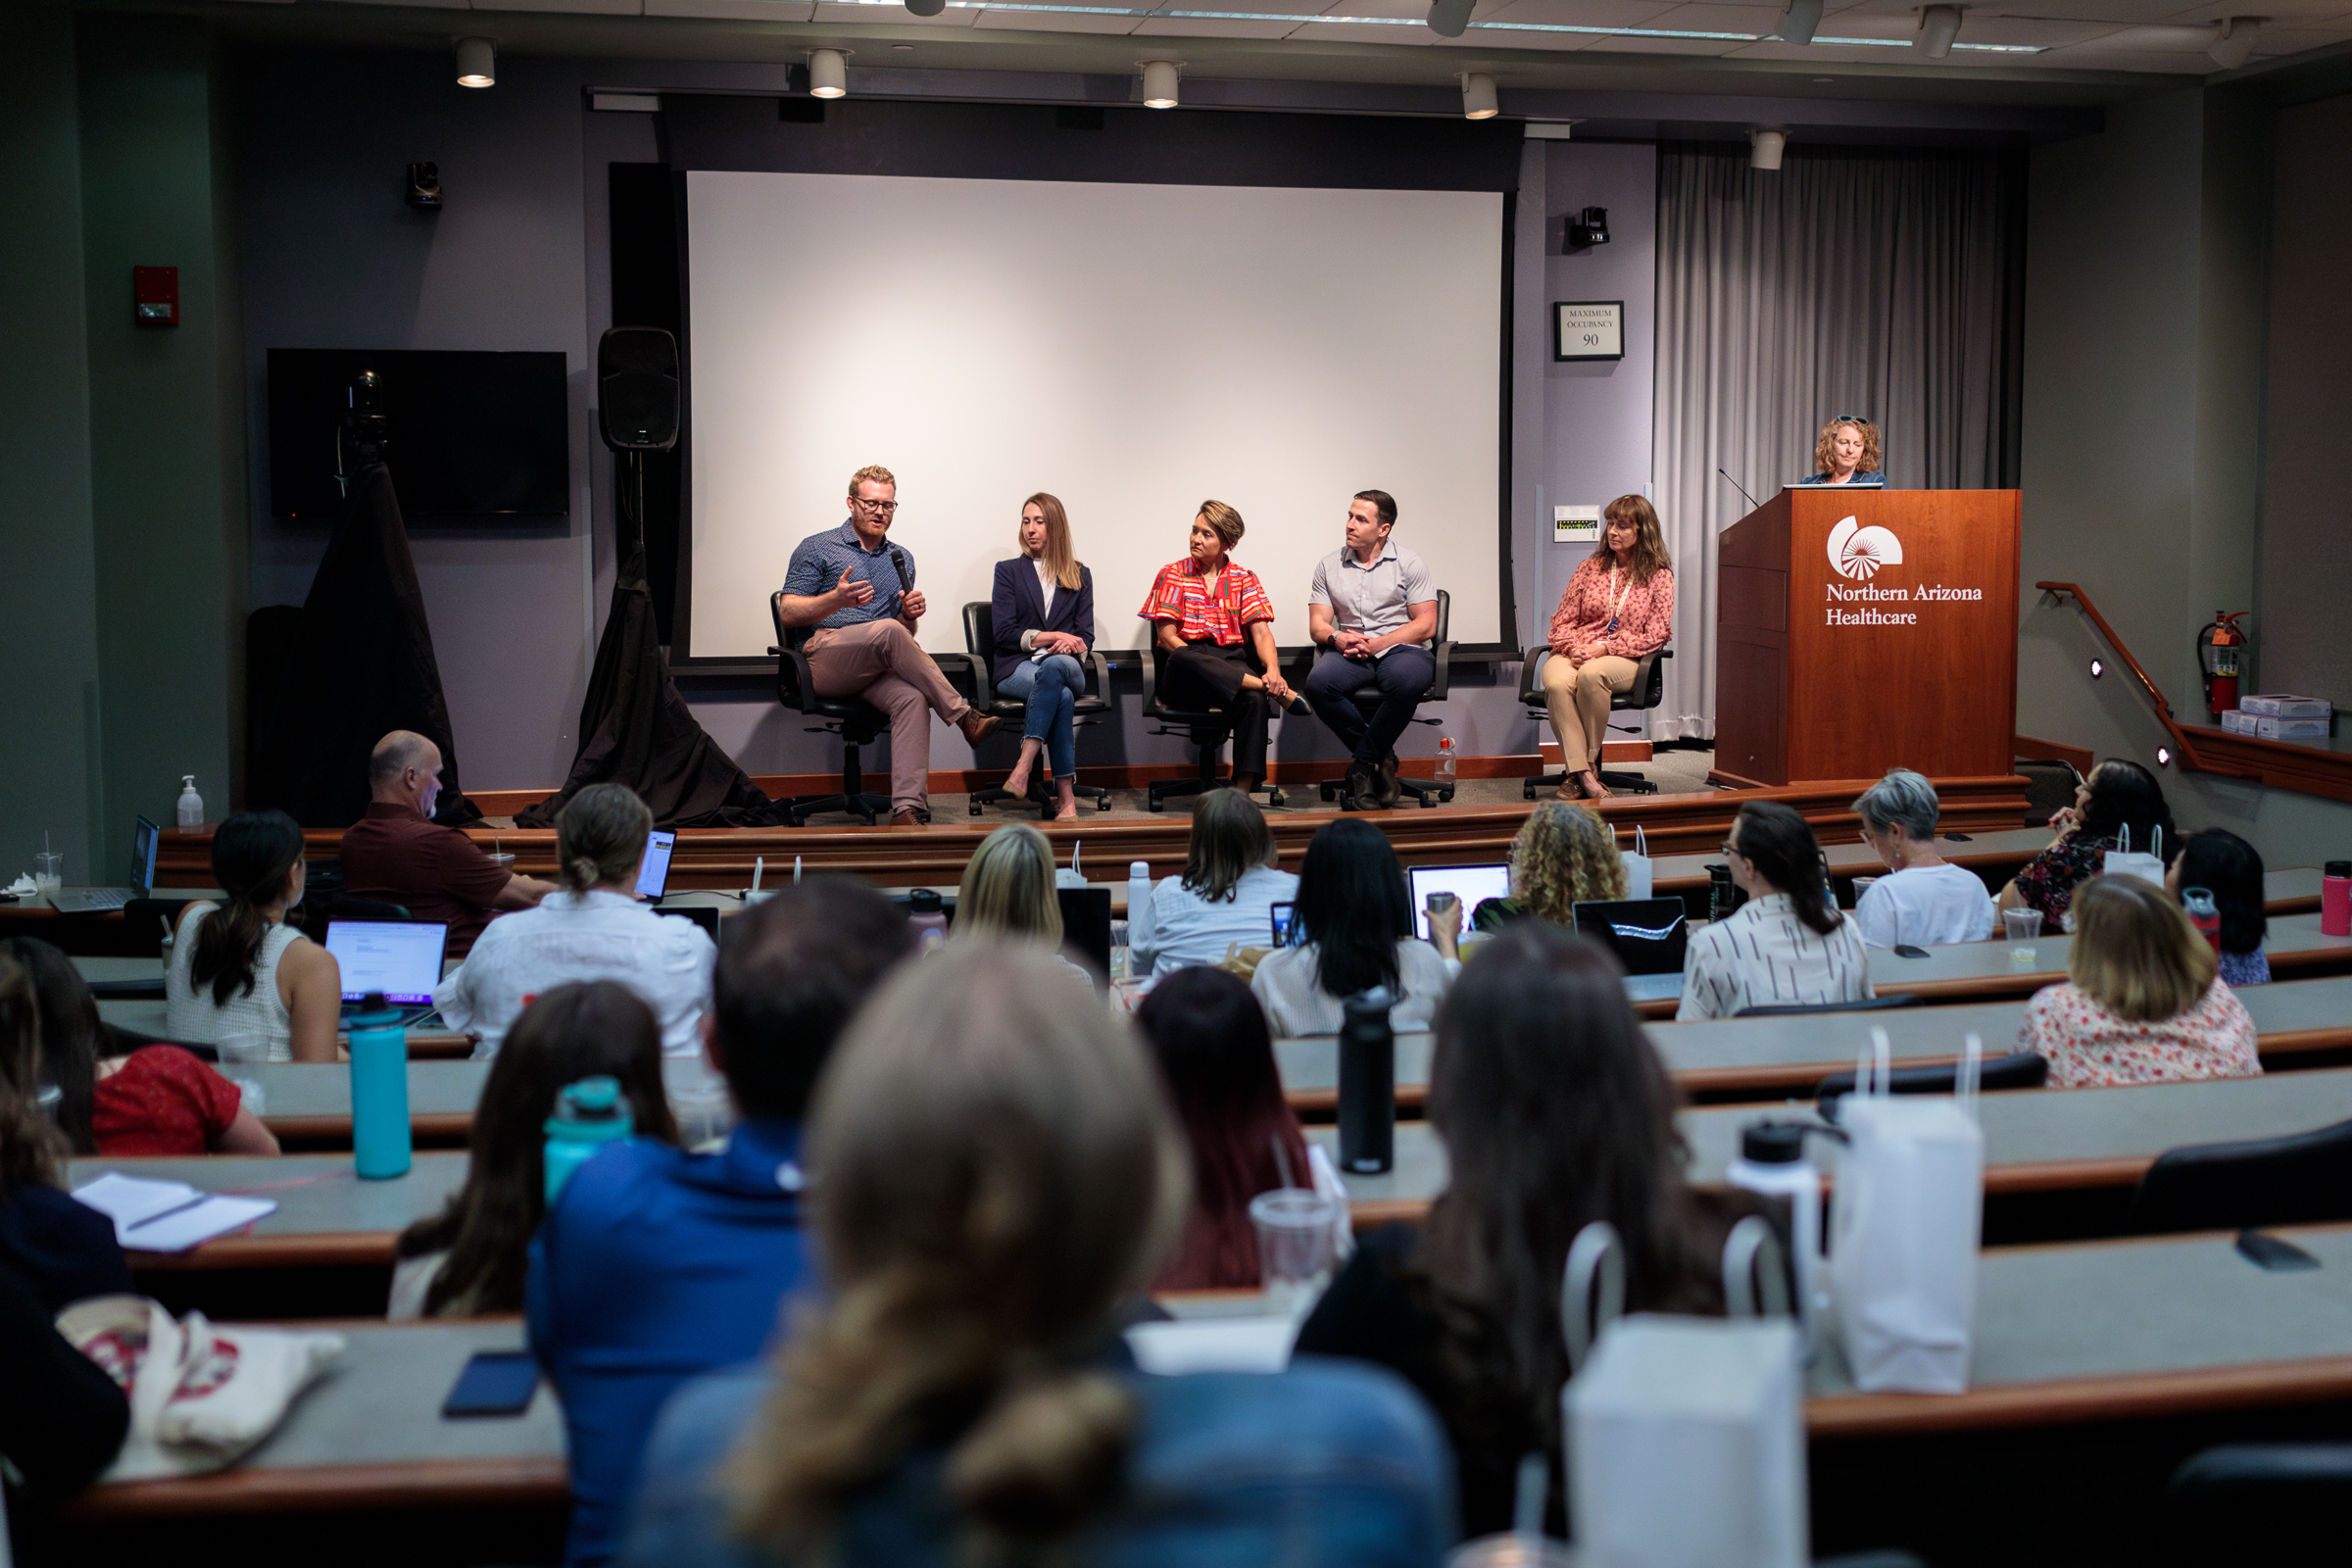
(90, 901)
(652, 874)
(402, 958)
(1649, 937)
(1086, 923)
(1472, 884)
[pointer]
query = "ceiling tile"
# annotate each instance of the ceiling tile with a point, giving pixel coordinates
(1575, 13)
(1213, 28)
(1666, 46)
(999, 21)
(733, 10)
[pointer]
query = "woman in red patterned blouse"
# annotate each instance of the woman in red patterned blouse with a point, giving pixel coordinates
(2145, 1004)
(1213, 622)
(120, 1100)
(1619, 608)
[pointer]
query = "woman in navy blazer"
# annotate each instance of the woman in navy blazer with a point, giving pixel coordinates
(1043, 612)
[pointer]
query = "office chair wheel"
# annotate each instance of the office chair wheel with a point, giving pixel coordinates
(1103, 805)
(972, 806)
(1527, 790)
(1428, 804)
(1274, 797)
(1152, 803)
(1447, 796)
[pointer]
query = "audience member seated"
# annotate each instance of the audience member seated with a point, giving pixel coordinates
(1008, 894)
(1564, 854)
(1785, 946)
(2145, 1003)
(62, 1249)
(655, 1264)
(1225, 898)
(470, 1257)
(1209, 1036)
(118, 1100)
(1356, 922)
(1555, 1112)
(399, 854)
(595, 929)
(1001, 1176)
(242, 968)
(1923, 899)
(2119, 796)
(2229, 868)
(63, 1419)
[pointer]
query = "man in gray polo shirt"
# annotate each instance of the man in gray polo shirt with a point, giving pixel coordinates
(1372, 610)
(858, 591)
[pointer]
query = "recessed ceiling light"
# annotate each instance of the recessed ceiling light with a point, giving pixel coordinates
(2098, 667)
(2164, 757)
(477, 63)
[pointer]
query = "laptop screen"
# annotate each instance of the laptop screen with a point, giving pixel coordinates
(401, 959)
(1472, 884)
(142, 857)
(1648, 935)
(653, 877)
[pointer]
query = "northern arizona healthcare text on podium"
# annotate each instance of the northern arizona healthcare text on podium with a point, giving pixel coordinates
(1859, 630)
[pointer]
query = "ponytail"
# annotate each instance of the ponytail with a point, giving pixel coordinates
(254, 853)
(1779, 844)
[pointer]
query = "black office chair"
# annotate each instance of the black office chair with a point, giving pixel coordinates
(2260, 1502)
(1207, 730)
(147, 922)
(1368, 698)
(858, 723)
(980, 641)
(2301, 1179)
(2020, 1069)
(1648, 691)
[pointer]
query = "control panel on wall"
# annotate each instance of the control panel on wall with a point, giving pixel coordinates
(155, 296)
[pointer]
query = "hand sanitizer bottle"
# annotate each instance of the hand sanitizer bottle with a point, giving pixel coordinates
(192, 803)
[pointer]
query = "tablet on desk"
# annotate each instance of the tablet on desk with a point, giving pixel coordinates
(653, 875)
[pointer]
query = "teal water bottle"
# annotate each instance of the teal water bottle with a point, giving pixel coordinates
(589, 1114)
(379, 1090)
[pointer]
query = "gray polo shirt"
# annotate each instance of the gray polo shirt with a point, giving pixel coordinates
(819, 560)
(1374, 599)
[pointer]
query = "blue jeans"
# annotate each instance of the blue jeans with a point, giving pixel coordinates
(1051, 687)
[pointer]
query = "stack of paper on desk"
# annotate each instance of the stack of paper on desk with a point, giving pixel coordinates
(168, 1217)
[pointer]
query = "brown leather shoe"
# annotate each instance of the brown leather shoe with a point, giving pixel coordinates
(909, 819)
(1358, 789)
(1385, 789)
(978, 726)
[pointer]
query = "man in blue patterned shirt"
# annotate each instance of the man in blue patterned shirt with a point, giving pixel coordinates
(854, 591)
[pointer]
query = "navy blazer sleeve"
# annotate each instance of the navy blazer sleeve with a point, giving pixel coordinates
(1083, 619)
(1004, 610)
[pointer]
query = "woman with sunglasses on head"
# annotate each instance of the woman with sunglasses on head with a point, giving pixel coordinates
(1847, 452)
(1618, 610)
(1787, 945)
(1042, 612)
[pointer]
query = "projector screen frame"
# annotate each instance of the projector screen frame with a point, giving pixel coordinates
(684, 661)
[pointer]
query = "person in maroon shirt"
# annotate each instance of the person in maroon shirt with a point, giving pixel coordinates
(399, 854)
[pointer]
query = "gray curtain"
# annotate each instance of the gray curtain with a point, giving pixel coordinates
(1886, 284)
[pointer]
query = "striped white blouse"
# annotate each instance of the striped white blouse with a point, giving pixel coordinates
(1764, 957)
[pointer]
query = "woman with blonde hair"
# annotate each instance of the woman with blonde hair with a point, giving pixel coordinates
(1618, 610)
(595, 929)
(2143, 1003)
(1564, 854)
(1001, 1176)
(1042, 615)
(1847, 452)
(1008, 894)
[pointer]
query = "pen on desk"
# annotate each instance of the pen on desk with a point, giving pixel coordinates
(758, 868)
(197, 1201)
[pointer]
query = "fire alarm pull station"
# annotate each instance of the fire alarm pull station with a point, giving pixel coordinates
(155, 296)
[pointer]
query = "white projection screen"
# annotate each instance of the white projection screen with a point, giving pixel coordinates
(1133, 349)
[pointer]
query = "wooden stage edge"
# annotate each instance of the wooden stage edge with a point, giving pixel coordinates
(722, 857)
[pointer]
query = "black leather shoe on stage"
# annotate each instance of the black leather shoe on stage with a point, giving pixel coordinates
(1359, 790)
(1385, 789)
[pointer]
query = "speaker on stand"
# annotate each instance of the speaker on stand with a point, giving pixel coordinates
(637, 411)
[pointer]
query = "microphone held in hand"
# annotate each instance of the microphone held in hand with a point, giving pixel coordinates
(898, 559)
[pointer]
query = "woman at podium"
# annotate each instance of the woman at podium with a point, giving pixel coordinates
(1847, 452)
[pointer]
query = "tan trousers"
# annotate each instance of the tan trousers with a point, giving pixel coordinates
(882, 663)
(1577, 695)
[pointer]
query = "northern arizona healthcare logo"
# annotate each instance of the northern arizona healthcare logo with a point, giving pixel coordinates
(1858, 551)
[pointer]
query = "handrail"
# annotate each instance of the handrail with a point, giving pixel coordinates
(2185, 746)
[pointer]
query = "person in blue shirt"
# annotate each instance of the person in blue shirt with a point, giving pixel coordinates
(1001, 1173)
(655, 1264)
(1847, 452)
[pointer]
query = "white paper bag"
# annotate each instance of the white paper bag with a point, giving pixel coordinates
(2121, 862)
(1637, 867)
(1904, 1224)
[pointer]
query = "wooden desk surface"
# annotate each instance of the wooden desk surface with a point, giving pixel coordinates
(146, 1016)
(325, 1214)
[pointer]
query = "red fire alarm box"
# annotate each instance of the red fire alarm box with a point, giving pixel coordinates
(155, 296)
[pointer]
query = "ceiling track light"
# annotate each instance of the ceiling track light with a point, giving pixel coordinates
(1451, 18)
(1765, 144)
(1478, 96)
(1161, 79)
(1938, 25)
(478, 62)
(828, 72)
(1799, 21)
(2235, 44)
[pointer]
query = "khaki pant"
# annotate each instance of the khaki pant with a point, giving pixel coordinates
(1577, 695)
(881, 662)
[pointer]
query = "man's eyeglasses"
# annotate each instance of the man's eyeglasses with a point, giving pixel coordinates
(883, 507)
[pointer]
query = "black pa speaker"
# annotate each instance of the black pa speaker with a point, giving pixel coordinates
(637, 388)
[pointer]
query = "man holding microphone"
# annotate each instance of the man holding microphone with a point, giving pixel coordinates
(856, 591)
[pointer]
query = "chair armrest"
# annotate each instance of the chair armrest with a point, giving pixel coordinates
(796, 687)
(984, 682)
(1095, 662)
(1530, 676)
(1443, 652)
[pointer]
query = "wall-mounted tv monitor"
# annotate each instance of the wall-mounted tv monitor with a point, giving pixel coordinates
(471, 434)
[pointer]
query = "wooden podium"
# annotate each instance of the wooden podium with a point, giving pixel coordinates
(1859, 630)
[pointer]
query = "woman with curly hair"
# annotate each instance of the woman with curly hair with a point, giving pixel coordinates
(1847, 452)
(1564, 854)
(1617, 610)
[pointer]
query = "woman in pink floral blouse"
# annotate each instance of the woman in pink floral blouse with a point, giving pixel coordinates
(2145, 1003)
(1619, 608)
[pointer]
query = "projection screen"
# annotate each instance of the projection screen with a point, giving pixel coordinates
(1132, 349)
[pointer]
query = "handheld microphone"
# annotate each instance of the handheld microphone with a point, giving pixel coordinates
(1735, 484)
(898, 559)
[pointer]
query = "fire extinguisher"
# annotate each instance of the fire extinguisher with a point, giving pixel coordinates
(2221, 652)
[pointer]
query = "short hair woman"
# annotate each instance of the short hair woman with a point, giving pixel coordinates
(1924, 898)
(1214, 628)
(1847, 452)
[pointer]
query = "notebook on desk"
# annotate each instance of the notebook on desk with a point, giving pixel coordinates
(95, 901)
(402, 958)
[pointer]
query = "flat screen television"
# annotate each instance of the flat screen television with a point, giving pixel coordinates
(472, 434)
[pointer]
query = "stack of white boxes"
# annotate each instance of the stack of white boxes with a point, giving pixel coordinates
(2280, 717)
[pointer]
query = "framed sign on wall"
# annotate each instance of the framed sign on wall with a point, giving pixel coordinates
(1588, 329)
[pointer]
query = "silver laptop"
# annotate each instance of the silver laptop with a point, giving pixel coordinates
(402, 958)
(1472, 884)
(1653, 987)
(95, 901)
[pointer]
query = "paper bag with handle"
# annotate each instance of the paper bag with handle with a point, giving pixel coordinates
(2121, 862)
